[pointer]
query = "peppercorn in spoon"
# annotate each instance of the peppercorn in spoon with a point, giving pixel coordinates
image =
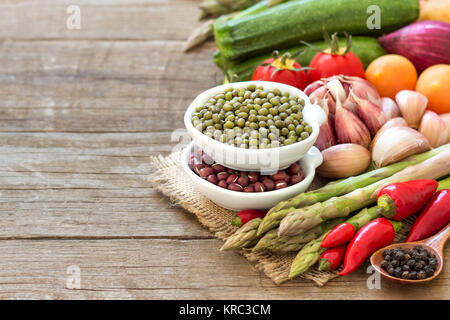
(424, 256)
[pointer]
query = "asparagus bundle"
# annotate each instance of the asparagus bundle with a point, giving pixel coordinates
(300, 220)
(277, 213)
(273, 243)
(273, 218)
(311, 252)
(245, 236)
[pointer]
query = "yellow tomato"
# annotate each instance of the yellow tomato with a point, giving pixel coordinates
(434, 83)
(390, 74)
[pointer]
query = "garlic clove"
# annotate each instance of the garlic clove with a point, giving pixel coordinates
(390, 108)
(434, 128)
(313, 87)
(397, 143)
(412, 106)
(351, 105)
(395, 122)
(326, 137)
(344, 160)
(371, 115)
(446, 118)
(349, 128)
(336, 89)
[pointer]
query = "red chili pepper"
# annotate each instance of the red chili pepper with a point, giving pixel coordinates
(432, 218)
(373, 236)
(331, 258)
(340, 234)
(398, 201)
(245, 216)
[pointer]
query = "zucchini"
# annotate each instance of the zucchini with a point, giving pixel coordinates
(288, 23)
(366, 48)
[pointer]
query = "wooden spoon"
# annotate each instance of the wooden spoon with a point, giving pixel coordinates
(434, 244)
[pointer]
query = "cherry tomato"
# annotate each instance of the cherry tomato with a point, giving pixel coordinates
(335, 60)
(282, 70)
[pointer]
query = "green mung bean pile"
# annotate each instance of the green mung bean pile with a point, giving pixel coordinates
(253, 117)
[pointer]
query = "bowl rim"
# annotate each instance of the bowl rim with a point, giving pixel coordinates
(217, 144)
(280, 192)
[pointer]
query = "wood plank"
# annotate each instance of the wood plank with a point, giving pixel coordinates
(100, 86)
(168, 269)
(105, 19)
(86, 185)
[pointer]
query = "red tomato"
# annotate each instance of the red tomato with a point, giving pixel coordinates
(286, 72)
(325, 64)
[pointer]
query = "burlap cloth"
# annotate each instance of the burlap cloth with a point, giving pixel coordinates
(170, 179)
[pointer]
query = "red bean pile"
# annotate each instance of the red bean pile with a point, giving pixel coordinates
(244, 181)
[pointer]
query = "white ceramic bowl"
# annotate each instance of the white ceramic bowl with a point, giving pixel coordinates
(256, 159)
(234, 200)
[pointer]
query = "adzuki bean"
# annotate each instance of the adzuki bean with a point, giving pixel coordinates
(244, 181)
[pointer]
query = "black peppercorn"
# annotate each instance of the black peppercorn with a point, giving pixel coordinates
(399, 255)
(391, 270)
(421, 275)
(398, 272)
(388, 258)
(411, 263)
(413, 275)
(395, 263)
(405, 275)
(419, 265)
(384, 264)
(432, 263)
(405, 267)
(429, 271)
(386, 252)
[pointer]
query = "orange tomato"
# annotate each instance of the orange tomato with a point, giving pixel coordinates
(390, 74)
(434, 83)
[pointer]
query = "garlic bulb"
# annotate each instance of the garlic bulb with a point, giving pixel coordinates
(344, 160)
(412, 105)
(390, 108)
(434, 129)
(397, 143)
(395, 122)
(446, 118)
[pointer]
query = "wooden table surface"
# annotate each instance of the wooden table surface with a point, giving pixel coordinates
(81, 112)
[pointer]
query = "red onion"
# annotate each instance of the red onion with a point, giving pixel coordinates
(425, 43)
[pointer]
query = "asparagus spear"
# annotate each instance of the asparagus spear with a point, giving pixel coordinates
(284, 244)
(216, 8)
(300, 220)
(277, 213)
(245, 236)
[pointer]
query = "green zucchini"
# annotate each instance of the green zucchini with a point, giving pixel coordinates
(366, 48)
(288, 23)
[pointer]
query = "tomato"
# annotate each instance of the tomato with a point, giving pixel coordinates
(334, 61)
(283, 70)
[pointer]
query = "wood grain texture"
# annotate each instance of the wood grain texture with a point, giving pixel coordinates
(167, 268)
(100, 19)
(81, 112)
(98, 86)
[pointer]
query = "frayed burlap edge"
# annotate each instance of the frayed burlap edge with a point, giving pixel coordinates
(170, 179)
